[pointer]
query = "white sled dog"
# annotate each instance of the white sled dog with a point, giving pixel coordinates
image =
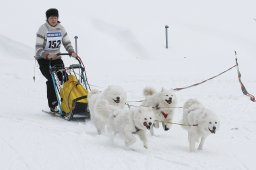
(98, 102)
(128, 123)
(163, 104)
(199, 122)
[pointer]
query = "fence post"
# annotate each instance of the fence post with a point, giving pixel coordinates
(76, 37)
(166, 36)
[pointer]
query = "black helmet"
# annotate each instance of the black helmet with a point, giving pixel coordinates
(52, 12)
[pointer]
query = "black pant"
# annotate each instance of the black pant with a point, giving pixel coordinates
(44, 68)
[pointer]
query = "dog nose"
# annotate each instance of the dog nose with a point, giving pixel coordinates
(170, 99)
(150, 123)
(214, 128)
(118, 98)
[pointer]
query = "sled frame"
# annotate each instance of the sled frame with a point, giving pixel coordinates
(57, 84)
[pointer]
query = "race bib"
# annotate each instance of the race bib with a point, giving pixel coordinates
(53, 40)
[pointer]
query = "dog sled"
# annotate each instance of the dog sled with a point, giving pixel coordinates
(72, 91)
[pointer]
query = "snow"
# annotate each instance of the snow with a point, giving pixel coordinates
(123, 43)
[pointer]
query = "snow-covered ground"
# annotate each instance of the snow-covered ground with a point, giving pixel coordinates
(123, 43)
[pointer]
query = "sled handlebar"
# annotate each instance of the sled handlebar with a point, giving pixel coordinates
(77, 58)
(62, 54)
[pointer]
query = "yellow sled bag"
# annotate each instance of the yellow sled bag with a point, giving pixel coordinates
(73, 96)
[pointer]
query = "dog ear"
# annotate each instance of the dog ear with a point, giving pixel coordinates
(204, 116)
(109, 87)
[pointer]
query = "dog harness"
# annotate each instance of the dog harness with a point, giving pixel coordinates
(164, 114)
(136, 130)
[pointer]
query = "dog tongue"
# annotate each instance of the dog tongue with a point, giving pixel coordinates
(146, 125)
(212, 131)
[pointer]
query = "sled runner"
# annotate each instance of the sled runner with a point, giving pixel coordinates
(72, 91)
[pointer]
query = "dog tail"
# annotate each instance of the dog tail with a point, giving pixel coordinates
(148, 91)
(191, 104)
(92, 92)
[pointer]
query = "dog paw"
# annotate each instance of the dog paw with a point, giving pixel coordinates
(99, 132)
(192, 149)
(166, 128)
(130, 141)
(156, 124)
(200, 148)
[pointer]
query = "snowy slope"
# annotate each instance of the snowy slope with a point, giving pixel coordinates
(123, 43)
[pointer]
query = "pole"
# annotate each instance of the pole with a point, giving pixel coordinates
(76, 37)
(166, 36)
